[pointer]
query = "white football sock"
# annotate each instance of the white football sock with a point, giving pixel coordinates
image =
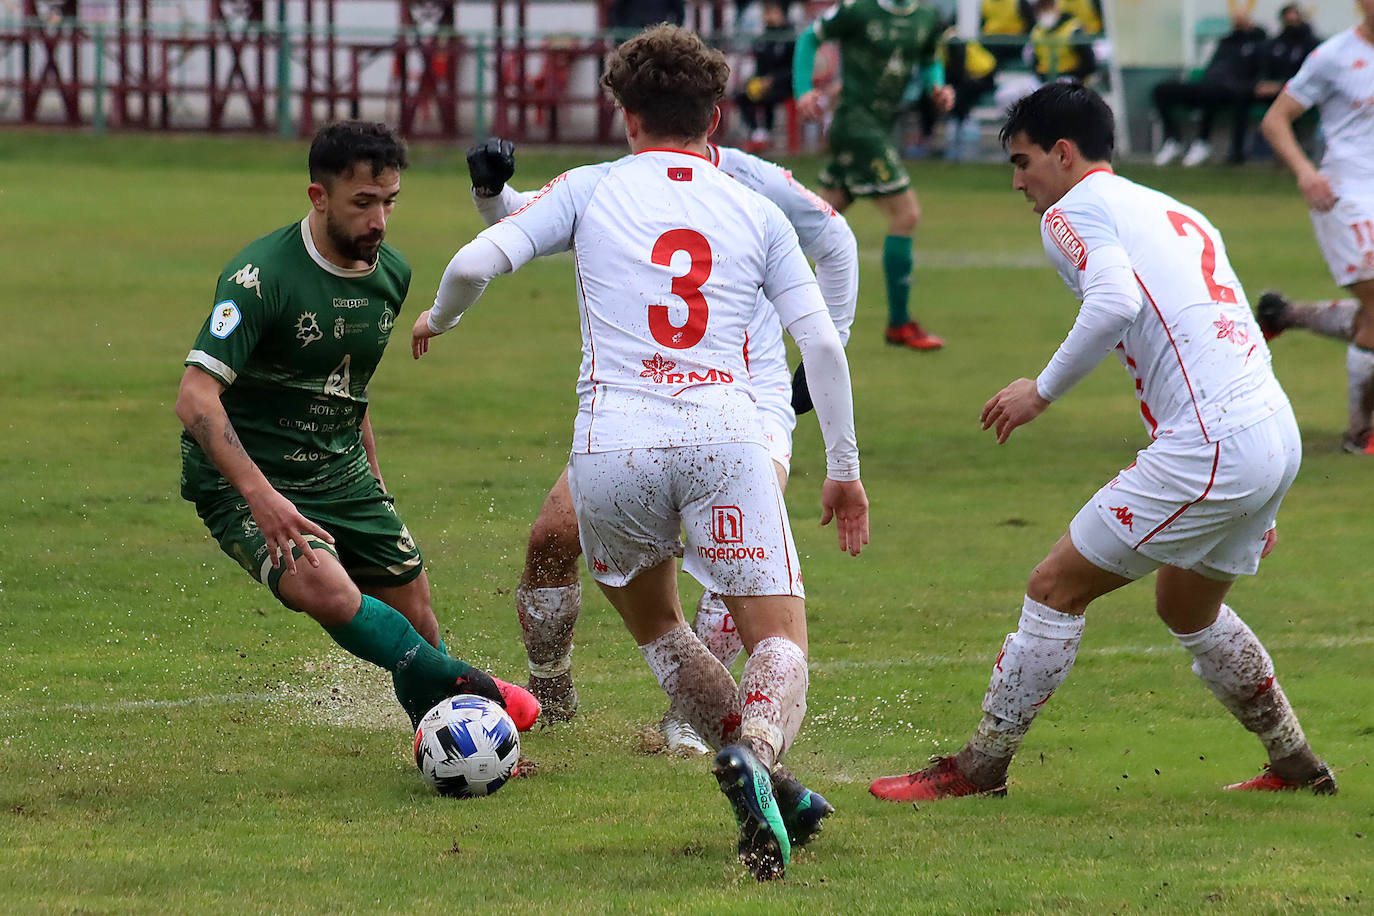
(547, 616)
(1328, 317)
(1359, 369)
(699, 688)
(715, 627)
(1034, 661)
(772, 694)
(1233, 664)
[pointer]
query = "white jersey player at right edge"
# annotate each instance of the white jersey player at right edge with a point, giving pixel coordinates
(671, 255)
(1198, 504)
(1338, 79)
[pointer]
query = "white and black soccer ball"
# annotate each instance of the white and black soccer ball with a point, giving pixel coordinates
(467, 746)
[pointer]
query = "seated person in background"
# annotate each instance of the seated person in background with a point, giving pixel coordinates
(970, 69)
(1228, 82)
(1087, 12)
(1005, 24)
(1058, 48)
(1286, 52)
(771, 83)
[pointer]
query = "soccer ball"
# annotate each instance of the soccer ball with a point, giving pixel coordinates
(466, 747)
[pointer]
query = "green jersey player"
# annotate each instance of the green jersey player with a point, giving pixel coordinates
(278, 454)
(881, 43)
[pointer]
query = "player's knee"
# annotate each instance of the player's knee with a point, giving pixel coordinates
(551, 557)
(330, 601)
(1055, 591)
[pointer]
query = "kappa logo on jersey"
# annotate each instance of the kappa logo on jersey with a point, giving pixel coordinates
(1124, 515)
(661, 371)
(1067, 240)
(308, 329)
(247, 277)
(679, 174)
(350, 303)
(727, 525)
(225, 318)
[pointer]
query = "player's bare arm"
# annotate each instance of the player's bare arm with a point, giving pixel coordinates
(1277, 128)
(370, 447)
(1013, 406)
(198, 406)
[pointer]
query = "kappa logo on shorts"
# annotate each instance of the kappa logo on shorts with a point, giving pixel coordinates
(1067, 240)
(1124, 515)
(727, 525)
(598, 566)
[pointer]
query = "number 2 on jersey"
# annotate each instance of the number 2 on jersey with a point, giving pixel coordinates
(686, 287)
(1219, 293)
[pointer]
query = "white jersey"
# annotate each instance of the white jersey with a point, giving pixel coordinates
(1201, 367)
(1338, 78)
(671, 255)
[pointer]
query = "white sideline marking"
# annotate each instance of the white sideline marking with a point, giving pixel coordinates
(229, 699)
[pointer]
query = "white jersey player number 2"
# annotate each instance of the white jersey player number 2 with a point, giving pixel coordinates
(686, 287)
(1182, 223)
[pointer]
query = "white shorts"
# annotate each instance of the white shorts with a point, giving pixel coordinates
(1204, 508)
(724, 499)
(1345, 234)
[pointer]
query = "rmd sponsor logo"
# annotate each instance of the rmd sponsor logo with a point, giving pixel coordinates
(1067, 240)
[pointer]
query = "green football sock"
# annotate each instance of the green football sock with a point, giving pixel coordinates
(421, 674)
(897, 263)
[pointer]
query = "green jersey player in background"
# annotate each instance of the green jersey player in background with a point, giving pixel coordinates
(881, 43)
(278, 454)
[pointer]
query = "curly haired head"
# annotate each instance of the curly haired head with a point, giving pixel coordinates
(668, 78)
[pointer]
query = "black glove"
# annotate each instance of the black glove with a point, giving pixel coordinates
(479, 683)
(491, 164)
(801, 395)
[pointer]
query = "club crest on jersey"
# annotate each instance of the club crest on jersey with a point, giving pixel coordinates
(225, 318)
(308, 329)
(1067, 240)
(680, 174)
(247, 277)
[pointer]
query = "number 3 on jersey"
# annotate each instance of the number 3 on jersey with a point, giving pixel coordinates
(686, 287)
(1219, 293)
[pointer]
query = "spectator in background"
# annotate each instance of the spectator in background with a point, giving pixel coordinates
(1285, 54)
(1005, 24)
(1228, 83)
(970, 68)
(1087, 12)
(771, 84)
(633, 15)
(1058, 47)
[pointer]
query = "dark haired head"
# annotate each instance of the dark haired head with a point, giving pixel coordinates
(668, 78)
(338, 147)
(1063, 111)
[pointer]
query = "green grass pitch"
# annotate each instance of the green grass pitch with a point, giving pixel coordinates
(173, 741)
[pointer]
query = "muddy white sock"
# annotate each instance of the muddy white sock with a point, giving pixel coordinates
(715, 627)
(1235, 667)
(1033, 662)
(547, 616)
(699, 688)
(772, 694)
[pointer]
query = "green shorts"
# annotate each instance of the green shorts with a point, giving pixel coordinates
(370, 539)
(863, 160)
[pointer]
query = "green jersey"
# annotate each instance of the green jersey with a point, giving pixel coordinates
(295, 339)
(881, 43)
